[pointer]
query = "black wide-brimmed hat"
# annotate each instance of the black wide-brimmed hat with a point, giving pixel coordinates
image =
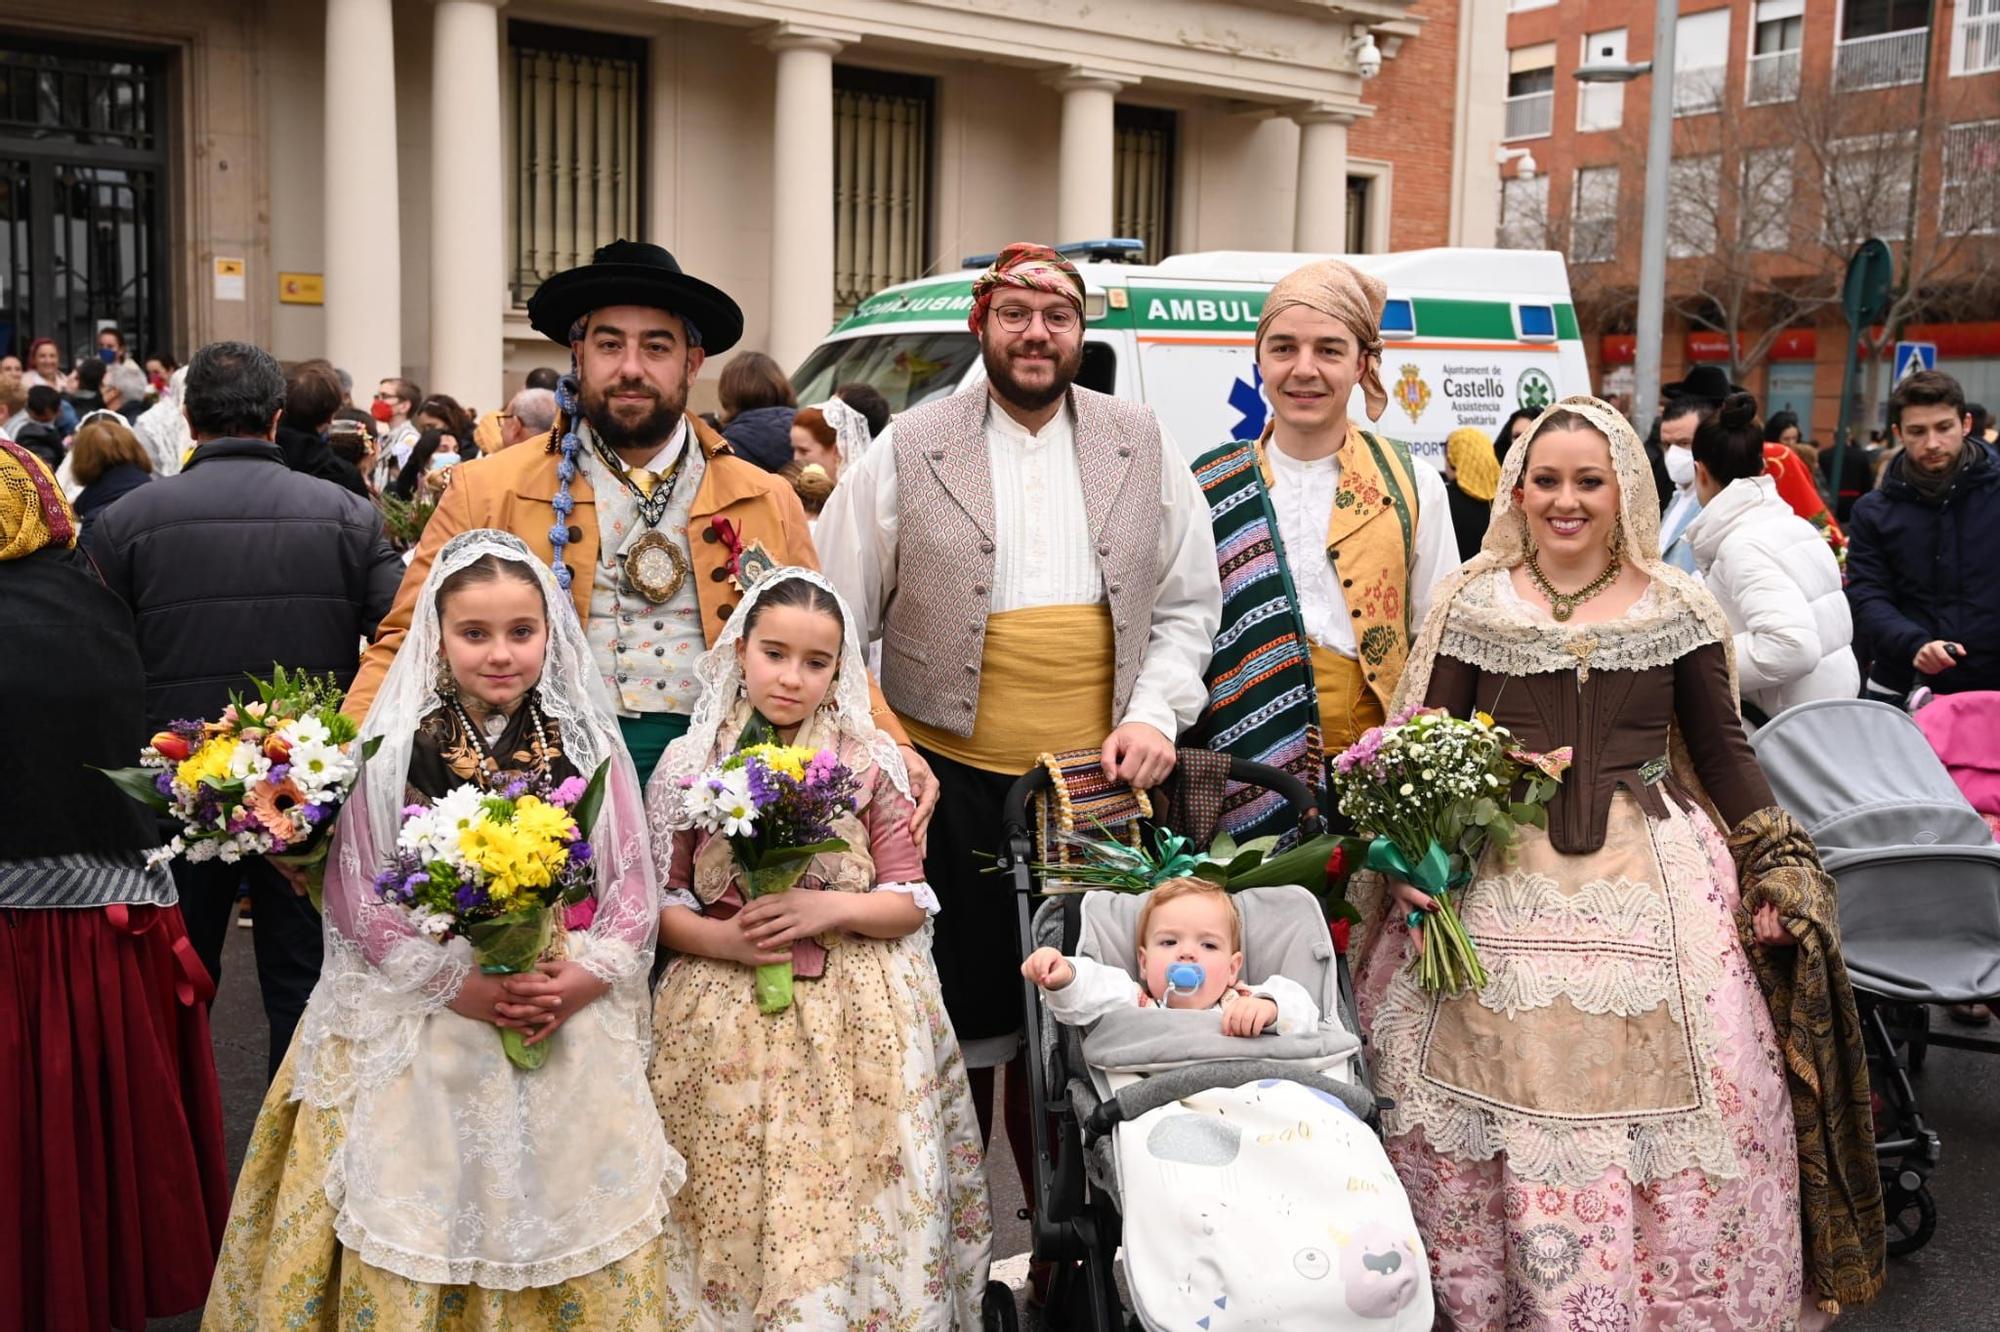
(634, 273)
(1705, 383)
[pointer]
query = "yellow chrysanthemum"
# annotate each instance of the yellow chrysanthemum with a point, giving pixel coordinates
(549, 825)
(787, 760)
(211, 761)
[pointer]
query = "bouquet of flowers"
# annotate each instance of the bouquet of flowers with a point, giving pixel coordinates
(1433, 791)
(1108, 863)
(494, 868)
(776, 804)
(266, 778)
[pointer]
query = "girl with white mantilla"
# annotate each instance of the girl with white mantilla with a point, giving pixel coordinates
(403, 1172)
(835, 1177)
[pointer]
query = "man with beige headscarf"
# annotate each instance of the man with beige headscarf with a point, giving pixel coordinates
(1329, 541)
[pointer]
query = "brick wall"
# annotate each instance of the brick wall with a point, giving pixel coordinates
(1414, 99)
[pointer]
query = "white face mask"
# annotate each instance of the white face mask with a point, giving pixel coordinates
(1680, 467)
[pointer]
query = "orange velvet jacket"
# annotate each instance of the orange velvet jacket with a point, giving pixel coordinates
(515, 490)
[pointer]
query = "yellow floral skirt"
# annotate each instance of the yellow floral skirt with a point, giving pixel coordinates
(283, 1267)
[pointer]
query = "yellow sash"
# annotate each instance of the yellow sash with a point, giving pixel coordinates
(1347, 706)
(1044, 687)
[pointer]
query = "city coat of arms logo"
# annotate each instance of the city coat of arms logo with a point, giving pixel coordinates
(1412, 394)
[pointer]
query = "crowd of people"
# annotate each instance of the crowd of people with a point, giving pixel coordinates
(596, 576)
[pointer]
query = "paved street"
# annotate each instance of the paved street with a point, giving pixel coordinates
(1943, 1288)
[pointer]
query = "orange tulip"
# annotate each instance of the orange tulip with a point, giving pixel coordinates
(277, 748)
(171, 746)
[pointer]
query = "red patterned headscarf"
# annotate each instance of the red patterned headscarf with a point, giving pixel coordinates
(33, 513)
(1029, 266)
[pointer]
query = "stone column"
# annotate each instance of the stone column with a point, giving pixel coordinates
(364, 261)
(1086, 175)
(1319, 224)
(468, 268)
(802, 189)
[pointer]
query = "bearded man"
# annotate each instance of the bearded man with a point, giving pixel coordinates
(1034, 559)
(652, 524)
(1332, 543)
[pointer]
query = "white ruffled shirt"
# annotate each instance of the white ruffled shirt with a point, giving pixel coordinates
(1302, 496)
(1043, 554)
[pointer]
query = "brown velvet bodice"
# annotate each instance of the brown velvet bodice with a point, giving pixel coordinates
(1616, 722)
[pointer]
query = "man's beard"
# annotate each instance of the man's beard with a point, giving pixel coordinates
(1001, 375)
(651, 429)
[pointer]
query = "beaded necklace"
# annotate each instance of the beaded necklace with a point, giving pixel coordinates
(489, 767)
(1562, 605)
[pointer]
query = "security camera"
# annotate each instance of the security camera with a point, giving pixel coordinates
(1366, 55)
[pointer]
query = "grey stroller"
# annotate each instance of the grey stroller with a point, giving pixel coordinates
(1089, 1085)
(1919, 882)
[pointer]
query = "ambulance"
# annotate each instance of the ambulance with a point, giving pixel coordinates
(1468, 336)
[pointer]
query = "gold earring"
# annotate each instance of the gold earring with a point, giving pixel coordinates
(446, 683)
(1618, 537)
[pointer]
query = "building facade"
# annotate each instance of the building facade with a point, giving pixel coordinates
(1801, 128)
(385, 182)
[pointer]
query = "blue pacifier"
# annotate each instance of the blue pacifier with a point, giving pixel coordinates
(1184, 977)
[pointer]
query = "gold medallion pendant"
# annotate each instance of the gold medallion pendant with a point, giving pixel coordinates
(655, 567)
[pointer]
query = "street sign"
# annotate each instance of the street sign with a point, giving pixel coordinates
(1865, 294)
(1864, 299)
(1912, 357)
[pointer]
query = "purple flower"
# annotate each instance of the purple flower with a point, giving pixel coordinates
(580, 852)
(569, 792)
(517, 788)
(411, 811)
(279, 771)
(469, 897)
(163, 782)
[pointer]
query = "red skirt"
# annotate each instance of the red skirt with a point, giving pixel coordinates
(116, 1184)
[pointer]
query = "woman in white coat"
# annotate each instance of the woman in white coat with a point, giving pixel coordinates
(1772, 571)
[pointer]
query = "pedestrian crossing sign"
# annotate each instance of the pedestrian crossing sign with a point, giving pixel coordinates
(1914, 356)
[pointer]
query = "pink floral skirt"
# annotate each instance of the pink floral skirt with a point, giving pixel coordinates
(1684, 1253)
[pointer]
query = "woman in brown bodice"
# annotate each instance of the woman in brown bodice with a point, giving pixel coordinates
(1604, 1134)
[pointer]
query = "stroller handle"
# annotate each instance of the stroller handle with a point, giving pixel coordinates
(1014, 815)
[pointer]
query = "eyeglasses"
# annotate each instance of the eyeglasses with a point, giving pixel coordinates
(387, 397)
(1016, 318)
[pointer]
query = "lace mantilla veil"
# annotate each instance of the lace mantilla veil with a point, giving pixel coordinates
(381, 980)
(851, 436)
(721, 679)
(1469, 622)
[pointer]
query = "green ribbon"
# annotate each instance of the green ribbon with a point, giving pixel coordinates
(1173, 857)
(1430, 871)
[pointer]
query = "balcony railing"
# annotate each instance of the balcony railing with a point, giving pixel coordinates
(1772, 77)
(1979, 45)
(1530, 115)
(1887, 61)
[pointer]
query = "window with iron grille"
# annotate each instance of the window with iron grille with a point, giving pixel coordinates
(1143, 175)
(578, 103)
(1970, 202)
(84, 217)
(881, 181)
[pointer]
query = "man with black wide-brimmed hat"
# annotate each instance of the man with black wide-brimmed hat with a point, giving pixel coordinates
(651, 523)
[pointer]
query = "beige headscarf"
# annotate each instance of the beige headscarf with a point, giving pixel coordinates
(1340, 291)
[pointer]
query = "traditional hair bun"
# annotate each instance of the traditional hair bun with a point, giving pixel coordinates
(1738, 411)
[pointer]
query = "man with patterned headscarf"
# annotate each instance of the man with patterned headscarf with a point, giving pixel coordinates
(1033, 557)
(1330, 541)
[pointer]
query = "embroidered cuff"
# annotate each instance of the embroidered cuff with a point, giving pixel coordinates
(919, 890)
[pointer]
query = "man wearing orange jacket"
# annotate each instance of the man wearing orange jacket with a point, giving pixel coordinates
(652, 524)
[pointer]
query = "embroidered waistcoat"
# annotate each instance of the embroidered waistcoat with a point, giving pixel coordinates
(645, 652)
(934, 633)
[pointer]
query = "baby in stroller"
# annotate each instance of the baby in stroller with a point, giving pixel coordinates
(1190, 957)
(1253, 1194)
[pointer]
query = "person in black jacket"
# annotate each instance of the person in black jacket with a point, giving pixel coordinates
(312, 396)
(1922, 549)
(233, 565)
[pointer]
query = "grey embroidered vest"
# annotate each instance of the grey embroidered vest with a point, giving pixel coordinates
(934, 633)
